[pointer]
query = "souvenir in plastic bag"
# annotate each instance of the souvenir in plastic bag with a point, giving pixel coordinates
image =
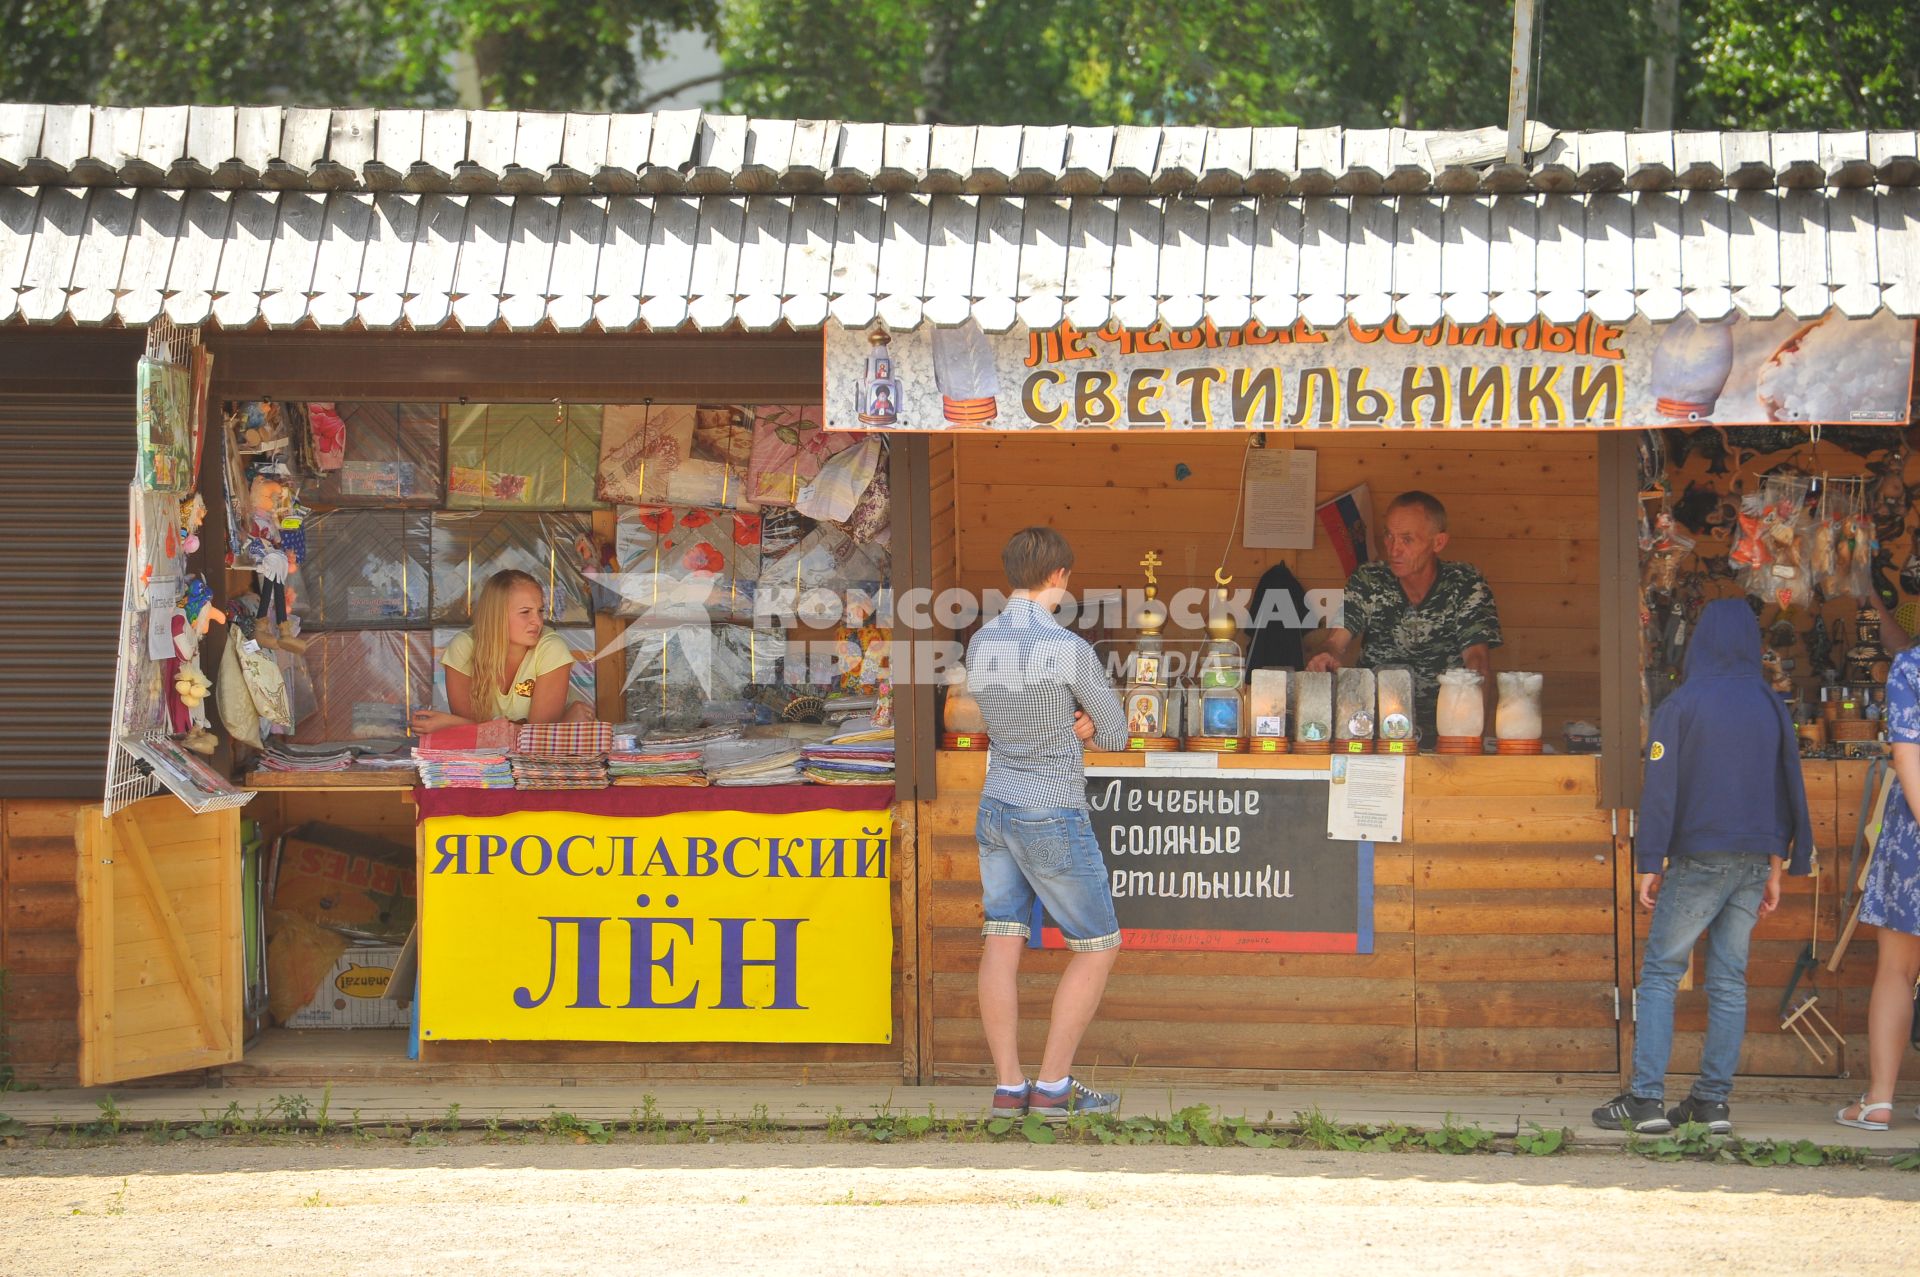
(523, 456)
(1772, 550)
(674, 557)
(367, 569)
(366, 684)
(389, 454)
(470, 546)
(164, 415)
(789, 447)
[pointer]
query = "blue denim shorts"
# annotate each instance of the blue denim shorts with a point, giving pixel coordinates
(1050, 853)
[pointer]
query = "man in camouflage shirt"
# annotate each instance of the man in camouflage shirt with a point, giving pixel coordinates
(1416, 610)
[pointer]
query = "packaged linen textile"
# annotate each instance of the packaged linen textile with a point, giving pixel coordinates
(641, 446)
(539, 456)
(366, 569)
(676, 559)
(366, 684)
(384, 454)
(789, 447)
(812, 569)
(675, 454)
(683, 676)
(470, 546)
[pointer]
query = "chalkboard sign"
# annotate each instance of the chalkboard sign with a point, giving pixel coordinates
(1238, 862)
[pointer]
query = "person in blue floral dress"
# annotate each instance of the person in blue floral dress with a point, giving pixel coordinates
(1891, 903)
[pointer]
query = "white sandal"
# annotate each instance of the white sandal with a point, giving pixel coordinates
(1863, 1122)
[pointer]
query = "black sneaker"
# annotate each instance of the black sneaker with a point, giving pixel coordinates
(1628, 1112)
(1712, 1114)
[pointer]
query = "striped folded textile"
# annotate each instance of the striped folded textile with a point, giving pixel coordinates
(566, 740)
(495, 737)
(698, 779)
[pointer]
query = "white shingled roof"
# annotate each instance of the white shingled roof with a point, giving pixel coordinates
(286, 217)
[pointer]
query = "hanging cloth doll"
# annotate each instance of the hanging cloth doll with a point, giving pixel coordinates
(275, 541)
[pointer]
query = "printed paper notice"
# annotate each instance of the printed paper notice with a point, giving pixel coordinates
(1367, 797)
(1279, 512)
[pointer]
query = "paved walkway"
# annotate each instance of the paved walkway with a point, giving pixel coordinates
(812, 1106)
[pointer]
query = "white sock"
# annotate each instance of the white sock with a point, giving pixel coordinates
(1058, 1084)
(1017, 1086)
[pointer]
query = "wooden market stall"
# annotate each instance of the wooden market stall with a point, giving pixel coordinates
(682, 258)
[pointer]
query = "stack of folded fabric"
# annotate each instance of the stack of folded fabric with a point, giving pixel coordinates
(697, 738)
(469, 756)
(861, 755)
(283, 756)
(562, 756)
(651, 765)
(753, 762)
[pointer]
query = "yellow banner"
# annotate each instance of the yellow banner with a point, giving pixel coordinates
(716, 926)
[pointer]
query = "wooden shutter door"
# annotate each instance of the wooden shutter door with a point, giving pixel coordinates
(161, 961)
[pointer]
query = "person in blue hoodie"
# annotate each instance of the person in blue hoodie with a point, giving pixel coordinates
(1723, 812)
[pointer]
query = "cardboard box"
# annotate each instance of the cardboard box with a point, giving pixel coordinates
(348, 881)
(353, 994)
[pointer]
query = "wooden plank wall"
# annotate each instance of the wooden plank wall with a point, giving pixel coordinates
(1522, 508)
(1494, 950)
(39, 948)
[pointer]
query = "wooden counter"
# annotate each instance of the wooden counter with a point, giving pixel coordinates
(1494, 929)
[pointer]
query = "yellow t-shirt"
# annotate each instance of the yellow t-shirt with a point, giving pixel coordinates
(549, 654)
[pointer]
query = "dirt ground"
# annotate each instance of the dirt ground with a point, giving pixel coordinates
(808, 1206)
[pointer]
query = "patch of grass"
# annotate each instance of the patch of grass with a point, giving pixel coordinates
(117, 1202)
(450, 1120)
(110, 1121)
(322, 1122)
(1539, 1142)
(1456, 1137)
(567, 1126)
(1905, 1162)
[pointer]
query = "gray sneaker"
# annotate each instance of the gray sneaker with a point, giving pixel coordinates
(1070, 1099)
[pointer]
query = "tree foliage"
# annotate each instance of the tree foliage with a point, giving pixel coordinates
(1842, 64)
(526, 54)
(1362, 63)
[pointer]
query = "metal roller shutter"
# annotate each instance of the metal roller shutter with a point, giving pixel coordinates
(65, 462)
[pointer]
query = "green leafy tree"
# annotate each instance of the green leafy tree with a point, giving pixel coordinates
(526, 54)
(1839, 64)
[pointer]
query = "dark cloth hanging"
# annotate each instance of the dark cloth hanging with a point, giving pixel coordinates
(1276, 644)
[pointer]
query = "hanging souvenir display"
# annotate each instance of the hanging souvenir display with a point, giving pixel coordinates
(1661, 548)
(275, 542)
(1772, 548)
(164, 417)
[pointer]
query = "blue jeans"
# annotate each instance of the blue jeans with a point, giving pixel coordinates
(1049, 852)
(1718, 896)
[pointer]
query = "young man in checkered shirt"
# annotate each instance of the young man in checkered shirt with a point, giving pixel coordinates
(1043, 694)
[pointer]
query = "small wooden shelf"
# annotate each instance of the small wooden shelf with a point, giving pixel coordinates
(348, 781)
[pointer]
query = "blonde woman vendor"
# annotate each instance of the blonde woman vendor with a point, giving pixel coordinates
(509, 665)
